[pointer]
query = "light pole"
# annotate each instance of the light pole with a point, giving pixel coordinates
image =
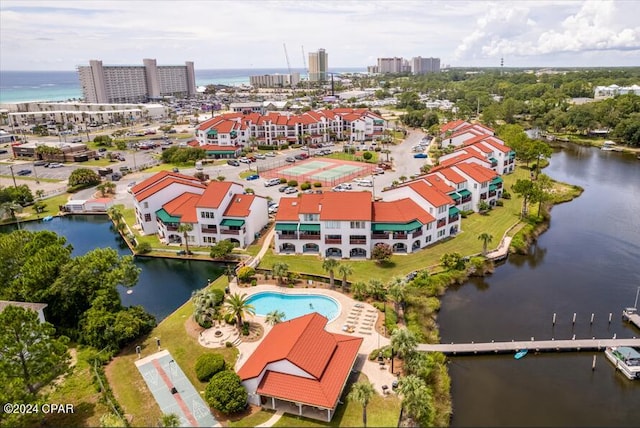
(13, 176)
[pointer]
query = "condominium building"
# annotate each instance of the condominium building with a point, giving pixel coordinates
(421, 65)
(135, 84)
(274, 80)
(318, 65)
(390, 65)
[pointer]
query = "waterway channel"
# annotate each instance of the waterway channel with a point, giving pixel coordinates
(164, 284)
(587, 262)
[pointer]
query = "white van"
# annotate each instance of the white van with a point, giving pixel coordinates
(199, 165)
(365, 183)
(272, 182)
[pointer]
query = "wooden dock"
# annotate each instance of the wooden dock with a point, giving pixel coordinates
(534, 345)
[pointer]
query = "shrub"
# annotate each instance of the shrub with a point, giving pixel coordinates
(228, 344)
(245, 329)
(245, 273)
(305, 186)
(499, 203)
(367, 155)
(283, 180)
(207, 365)
(254, 282)
(292, 183)
(506, 195)
(225, 393)
(143, 248)
(317, 184)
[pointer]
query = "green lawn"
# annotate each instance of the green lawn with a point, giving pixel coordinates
(495, 223)
(253, 420)
(33, 178)
(355, 158)
(381, 412)
(130, 388)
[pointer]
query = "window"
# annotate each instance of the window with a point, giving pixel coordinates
(428, 226)
(332, 224)
(475, 185)
(427, 239)
(357, 225)
(147, 217)
(209, 239)
(441, 233)
(485, 184)
(442, 209)
(206, 214)
(311, 217)
(145, 205)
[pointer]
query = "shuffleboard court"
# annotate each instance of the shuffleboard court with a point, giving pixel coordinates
(162, 374)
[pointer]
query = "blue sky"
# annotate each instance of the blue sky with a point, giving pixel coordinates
(45, 35)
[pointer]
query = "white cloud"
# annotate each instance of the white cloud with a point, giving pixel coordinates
(243, 33)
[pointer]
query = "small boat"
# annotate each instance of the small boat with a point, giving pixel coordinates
(626, 359)
(48, 218)
(521, 353)
(608, 146)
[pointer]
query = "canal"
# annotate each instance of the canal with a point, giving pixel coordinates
(164, 284)
(587, 262)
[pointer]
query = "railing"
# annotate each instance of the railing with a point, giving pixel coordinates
(492, 193)
(416, 233)
(466, 199)
(310, 236)
(499, 185)
(209, 230)
(332, 241)
(172, 228)
(442, 223)
(454, 218)
(231, 231)
(483, 196)
(287, 235)
(459, 201)
(379, 236)
(357, 241)
(399, 236)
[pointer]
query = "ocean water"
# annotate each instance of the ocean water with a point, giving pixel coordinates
(20, 86)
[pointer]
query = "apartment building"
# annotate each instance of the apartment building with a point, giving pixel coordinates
(275, 80)
(318, 65)
(216, 211)
(421, 65)
(274, 128)
(135, 84)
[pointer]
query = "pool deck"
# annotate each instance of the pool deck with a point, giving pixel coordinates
(361, 315)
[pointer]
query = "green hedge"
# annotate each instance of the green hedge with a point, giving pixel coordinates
(208, 365)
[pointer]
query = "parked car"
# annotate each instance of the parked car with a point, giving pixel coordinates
(24, 172)
(56, 165)
(253, 177)
(378, 171)
(339, 188)
(233, 162)
(260, 156)
(272, 182)
(244, 160)
(420, 156)
(283, 188)
(273, 209)
(290, 159)
(291, 190)
(102, 149)
(39, 163)
(176, 170)
(365, 183)
(411, 275)
(270, 154)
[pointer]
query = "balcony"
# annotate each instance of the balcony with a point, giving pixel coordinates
(209, 229)
(172, 228)
(454, 218)
(483, 196)
(379, 236)
(441, 223)
(314, 237)
(287, 235)
(399, 235)
(465, 200)
(492, 193)
(333, 240)
(357, 241)
(231, 231)
(416, 233)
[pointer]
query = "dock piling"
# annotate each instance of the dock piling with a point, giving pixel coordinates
(593, 365)
(554, 319)
(574, 318)
(592, 318)
(610, 317)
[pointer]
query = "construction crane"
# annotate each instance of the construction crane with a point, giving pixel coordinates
(304, 61)
(286, 55)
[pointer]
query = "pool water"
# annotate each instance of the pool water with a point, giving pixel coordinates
(294, 305)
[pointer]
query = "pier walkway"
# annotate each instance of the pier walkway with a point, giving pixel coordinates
(534, 345)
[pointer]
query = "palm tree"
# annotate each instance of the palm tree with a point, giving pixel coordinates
(329, 265)
(345, 270)
(416, 398)
(397, 295)
(362, 392)
(170, 420)
(39, 193)
(486, 239)
(185, 228)
(237, 305)
(359, 289)
(376, 289)
(9, 209)
(280, 270)
(404, 342)
(116, 214)
(275, 316)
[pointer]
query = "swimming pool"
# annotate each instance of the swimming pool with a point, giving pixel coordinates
(294, 305)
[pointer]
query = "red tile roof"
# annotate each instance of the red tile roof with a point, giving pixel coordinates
(450, 126)
(184, 206)
(303, 342)
(220, 148)
(148, 191)
(463, 156)
(438, 183)
(158, 177)
(309, 204)
(400, 211)
(476, 172)
(214, 194)
(497, 144)
(452, 176)
(288, 209)
(240, 205)
(430, 193)
(464, 131)
(341, 206)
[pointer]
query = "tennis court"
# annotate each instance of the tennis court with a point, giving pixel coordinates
(329, 172)
(173, 391)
